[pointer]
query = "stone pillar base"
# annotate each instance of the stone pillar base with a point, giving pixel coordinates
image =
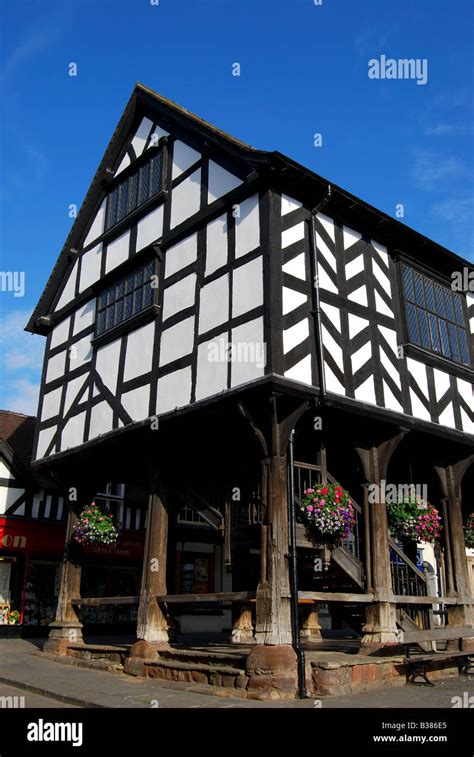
(62, 635)
(242, 632)
(311, 630)
(272, 672)
(139, 652)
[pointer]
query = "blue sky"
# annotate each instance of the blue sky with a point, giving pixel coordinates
(304, 70)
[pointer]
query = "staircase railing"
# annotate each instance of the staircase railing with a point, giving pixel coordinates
(409, 581)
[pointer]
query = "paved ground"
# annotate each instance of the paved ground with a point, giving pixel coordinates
(45, 683)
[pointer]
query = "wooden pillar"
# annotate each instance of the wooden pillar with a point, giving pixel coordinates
(242, 632)
(271, 665)
(66, 628)
(380, 617)
(450, 477)
(152, 624)
(311, 630)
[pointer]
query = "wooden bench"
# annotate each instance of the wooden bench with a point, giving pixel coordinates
(418, 662)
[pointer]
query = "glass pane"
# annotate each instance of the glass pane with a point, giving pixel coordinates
(128, 306)
(143, 183)
(102, 300)
(429, 295)
(120, 290)
(408, 283)
(453, 338)
(110, 295)
(111, 209)
(444, 337)
(459, 316)
(138, 300)
(439, 300)
(110, 316)
(449, 305)
(433, 321)
(122, 201)
(101, 322)
(463, 346)
(149, 270)
(119, 312)
(147, 295)
(129, 283)
(412, 324)
(139, 277)
(425, 334)
(419, 295)
(132, 192)
(156, 174)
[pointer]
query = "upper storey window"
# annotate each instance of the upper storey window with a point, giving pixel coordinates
(435, 316)
(139, 186)
(126, 298)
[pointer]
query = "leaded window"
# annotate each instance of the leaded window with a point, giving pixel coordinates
(435, 316)
(125, 297)
(134, 191)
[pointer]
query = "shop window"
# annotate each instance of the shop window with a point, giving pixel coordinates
(194, 573)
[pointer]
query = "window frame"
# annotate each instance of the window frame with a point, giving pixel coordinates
(438, 359)
(136, 319)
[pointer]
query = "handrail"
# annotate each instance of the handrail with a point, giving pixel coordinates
(406, 559)
(310, 466)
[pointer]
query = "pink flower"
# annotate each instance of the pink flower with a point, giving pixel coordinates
(322, 501)
(310, 508)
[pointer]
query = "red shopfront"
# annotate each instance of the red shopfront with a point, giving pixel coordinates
(31, 554)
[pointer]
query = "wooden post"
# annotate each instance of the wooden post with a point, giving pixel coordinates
(311, 630)
(242, 632)
(272, 665)
(380, 620)
(450, 477)
(66, 628)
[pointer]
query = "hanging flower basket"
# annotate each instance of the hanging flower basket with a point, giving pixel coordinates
(328, 514)
(412, 518)
(95, 527)
(469, 532)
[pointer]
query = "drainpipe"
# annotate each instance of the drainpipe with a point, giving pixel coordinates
(295, 626)
(316, 311)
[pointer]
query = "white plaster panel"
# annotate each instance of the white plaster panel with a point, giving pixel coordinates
(356, 325)
(418, 409)
(391, 402)
(301, 371)
(150, 228)
(295, 335)
(446, 418)
(331, 346)
(359, 296)
(247, 227)
(117, 251)
(296, 267)
(139, 352)
(183, 158)
(101, 419)
(292, 299)
(107, 364)
(72, 391)
(69, 290)
(466, 390)
(8, 497)
(141, 136)
(51, 402)
(324, 250)
(179, 296)
(293, 234)
(248, 356)
(354, 267)
(186, 199)
(361, 356)
(333, 314)
(382, 251)
(5, 472)
(442, 382)
(97, 225)
(220, 182)
(325, 282)
(211, 373)
(350, 237)
(247, 287)
(56, 366)
(73, 432)
(136, 402)
(381, 306)
(214, 304)
(180, 255)
(288, 204)
(124, 163)
(44, 439)
(328, 224)
(418, 371)
(216, 247)
(391, 337)
(177, 341)
(60, 333)
(84, 317)
(366, 391)
(174, 390)
(80, 353)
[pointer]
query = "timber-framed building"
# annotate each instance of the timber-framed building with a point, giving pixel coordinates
(350, 358)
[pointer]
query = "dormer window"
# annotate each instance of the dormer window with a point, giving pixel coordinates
(139, 187)
(435, 316)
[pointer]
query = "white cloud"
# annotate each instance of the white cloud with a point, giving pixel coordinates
(443, 130)
(21, 360)
(431, 169)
